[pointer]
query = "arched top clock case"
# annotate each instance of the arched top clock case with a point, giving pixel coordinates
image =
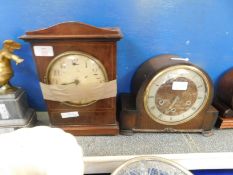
(168, 94)
(74, 52)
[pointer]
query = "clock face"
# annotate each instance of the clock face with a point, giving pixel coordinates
(176, 94)
(76, 68)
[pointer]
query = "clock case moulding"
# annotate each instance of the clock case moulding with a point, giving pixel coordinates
(98, 118)
(133, 116)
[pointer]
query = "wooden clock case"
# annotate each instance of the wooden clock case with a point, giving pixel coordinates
(98, 118)
(224, 100)
(133, 117)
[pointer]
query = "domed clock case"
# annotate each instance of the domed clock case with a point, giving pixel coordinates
(168, 94)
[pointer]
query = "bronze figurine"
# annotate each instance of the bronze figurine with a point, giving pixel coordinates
(6, 72)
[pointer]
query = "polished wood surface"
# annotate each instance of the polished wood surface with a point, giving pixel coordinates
(98, 118)
(74, 30)
(131, 120)
(224, 100)
(225, 88)
(86, 130)
(224, 123)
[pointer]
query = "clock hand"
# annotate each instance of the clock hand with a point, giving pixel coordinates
(172, 104)
(76, 82)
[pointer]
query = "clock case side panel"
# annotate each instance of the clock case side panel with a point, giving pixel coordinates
(142, 122)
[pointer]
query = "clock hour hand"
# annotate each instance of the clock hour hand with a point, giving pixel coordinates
(172, 104)
(76, 82)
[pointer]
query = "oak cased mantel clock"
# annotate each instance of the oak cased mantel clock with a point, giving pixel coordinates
(77, 53)
(168, 94)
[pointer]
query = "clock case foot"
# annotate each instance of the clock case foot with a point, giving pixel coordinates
(128, 119)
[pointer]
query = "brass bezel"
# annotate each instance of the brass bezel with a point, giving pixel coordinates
(190, 67)
(75, 53)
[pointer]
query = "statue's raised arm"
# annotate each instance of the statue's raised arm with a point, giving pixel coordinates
(6, 72)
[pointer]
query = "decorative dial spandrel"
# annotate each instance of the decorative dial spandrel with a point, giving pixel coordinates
(76, 68)
(170, 106)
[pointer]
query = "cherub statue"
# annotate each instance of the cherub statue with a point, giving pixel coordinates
(6, 72)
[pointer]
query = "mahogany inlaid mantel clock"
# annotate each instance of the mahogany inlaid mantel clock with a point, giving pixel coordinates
(74, 53)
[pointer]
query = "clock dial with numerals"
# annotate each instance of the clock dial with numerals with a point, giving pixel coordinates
(176, 94)
(76, 68)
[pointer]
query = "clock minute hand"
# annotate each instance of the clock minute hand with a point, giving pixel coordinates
(172, 104)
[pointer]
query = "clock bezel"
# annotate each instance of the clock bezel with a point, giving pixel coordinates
(207, 100)
(103, 69)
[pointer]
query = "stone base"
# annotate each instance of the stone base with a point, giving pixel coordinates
(13, 124)
(14, 111)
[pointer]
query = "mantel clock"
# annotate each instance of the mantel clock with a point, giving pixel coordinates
(74, 53)
(168, 94)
